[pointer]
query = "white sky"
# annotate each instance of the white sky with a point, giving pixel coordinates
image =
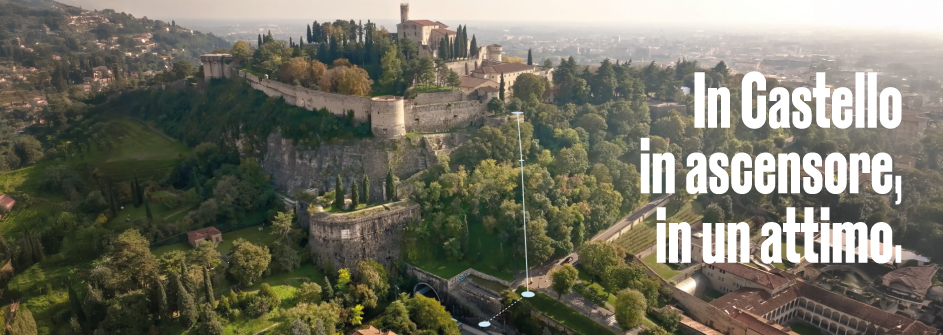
(795, 14)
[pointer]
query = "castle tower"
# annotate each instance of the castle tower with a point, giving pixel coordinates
(388, 117)
(494, 53)
(403, 12)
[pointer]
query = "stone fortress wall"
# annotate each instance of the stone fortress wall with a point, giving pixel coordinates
(341, 240)
(389, 116)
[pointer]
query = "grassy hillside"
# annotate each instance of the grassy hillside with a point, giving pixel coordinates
(138, 151)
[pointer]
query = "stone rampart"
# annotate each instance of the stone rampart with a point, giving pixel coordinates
(444, 116)
(342, 240)
(296, 167)
(439, 97)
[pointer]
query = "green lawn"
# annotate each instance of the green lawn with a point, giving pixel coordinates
(138, 151)
(665, 271)
(805, 329)
(564, 315)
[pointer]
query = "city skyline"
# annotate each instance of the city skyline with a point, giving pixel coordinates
(803, 14)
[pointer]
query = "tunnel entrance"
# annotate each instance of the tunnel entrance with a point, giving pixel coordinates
(426, 290)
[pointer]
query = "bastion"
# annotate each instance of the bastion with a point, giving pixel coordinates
(341, 240)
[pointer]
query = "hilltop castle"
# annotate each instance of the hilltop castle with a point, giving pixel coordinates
(393, 116)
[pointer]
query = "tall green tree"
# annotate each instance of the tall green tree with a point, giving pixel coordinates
(354, 196)
(147, 208)
(339, 193)
(530, 57)
(208, 286)
(76, 305)
(501, 88)
(210, 325)
(187, 307)
(390, 186)
(473, 49)
(365, 192)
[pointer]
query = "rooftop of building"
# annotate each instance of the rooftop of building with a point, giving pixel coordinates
(918, 279)
(760, 302)
(371, 331)
(202, 232)
(500, 68)
(763, 278)
(428, 23)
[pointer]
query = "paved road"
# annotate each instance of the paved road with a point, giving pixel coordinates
(608, 234)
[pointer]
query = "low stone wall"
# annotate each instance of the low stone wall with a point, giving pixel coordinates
(343, 240)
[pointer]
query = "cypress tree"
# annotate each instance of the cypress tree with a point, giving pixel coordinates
(339, 193)
(94, 307)
(147, 208)
(208, 285)
(187, 280)
(188, 312)
(76, 305)
(301, 43)
(291, 43)
(365, 192)
(210, 325)
(260, 41)
(501, 88)
(309, 33)
(327, 292)
(134, 193)
(474, 47)
(442, 46)
(163, 306)
(354, 196)
(530, 58)
(390, 186)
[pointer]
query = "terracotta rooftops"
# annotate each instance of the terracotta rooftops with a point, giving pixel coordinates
(759, 302)
(203, 233)
(763, 278)
(428, 23)
(371, 331)
(444, 31)
(915, 278)
(504, 68)
(7, 201)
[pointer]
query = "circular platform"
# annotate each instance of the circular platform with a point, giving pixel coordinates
(527, 294)
(484, 324)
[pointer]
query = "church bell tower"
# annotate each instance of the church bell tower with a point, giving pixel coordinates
(403, 12)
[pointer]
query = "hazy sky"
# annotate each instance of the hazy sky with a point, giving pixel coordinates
(795, 14)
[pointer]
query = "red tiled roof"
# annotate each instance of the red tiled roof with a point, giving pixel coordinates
(916, 278)
(504, 68)
(7, 201)
(444, 31)
(755, 275)
(473, 82)
(428, 23)
(371, 331)
(759, 302)
(203, 233)
(754, 323)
